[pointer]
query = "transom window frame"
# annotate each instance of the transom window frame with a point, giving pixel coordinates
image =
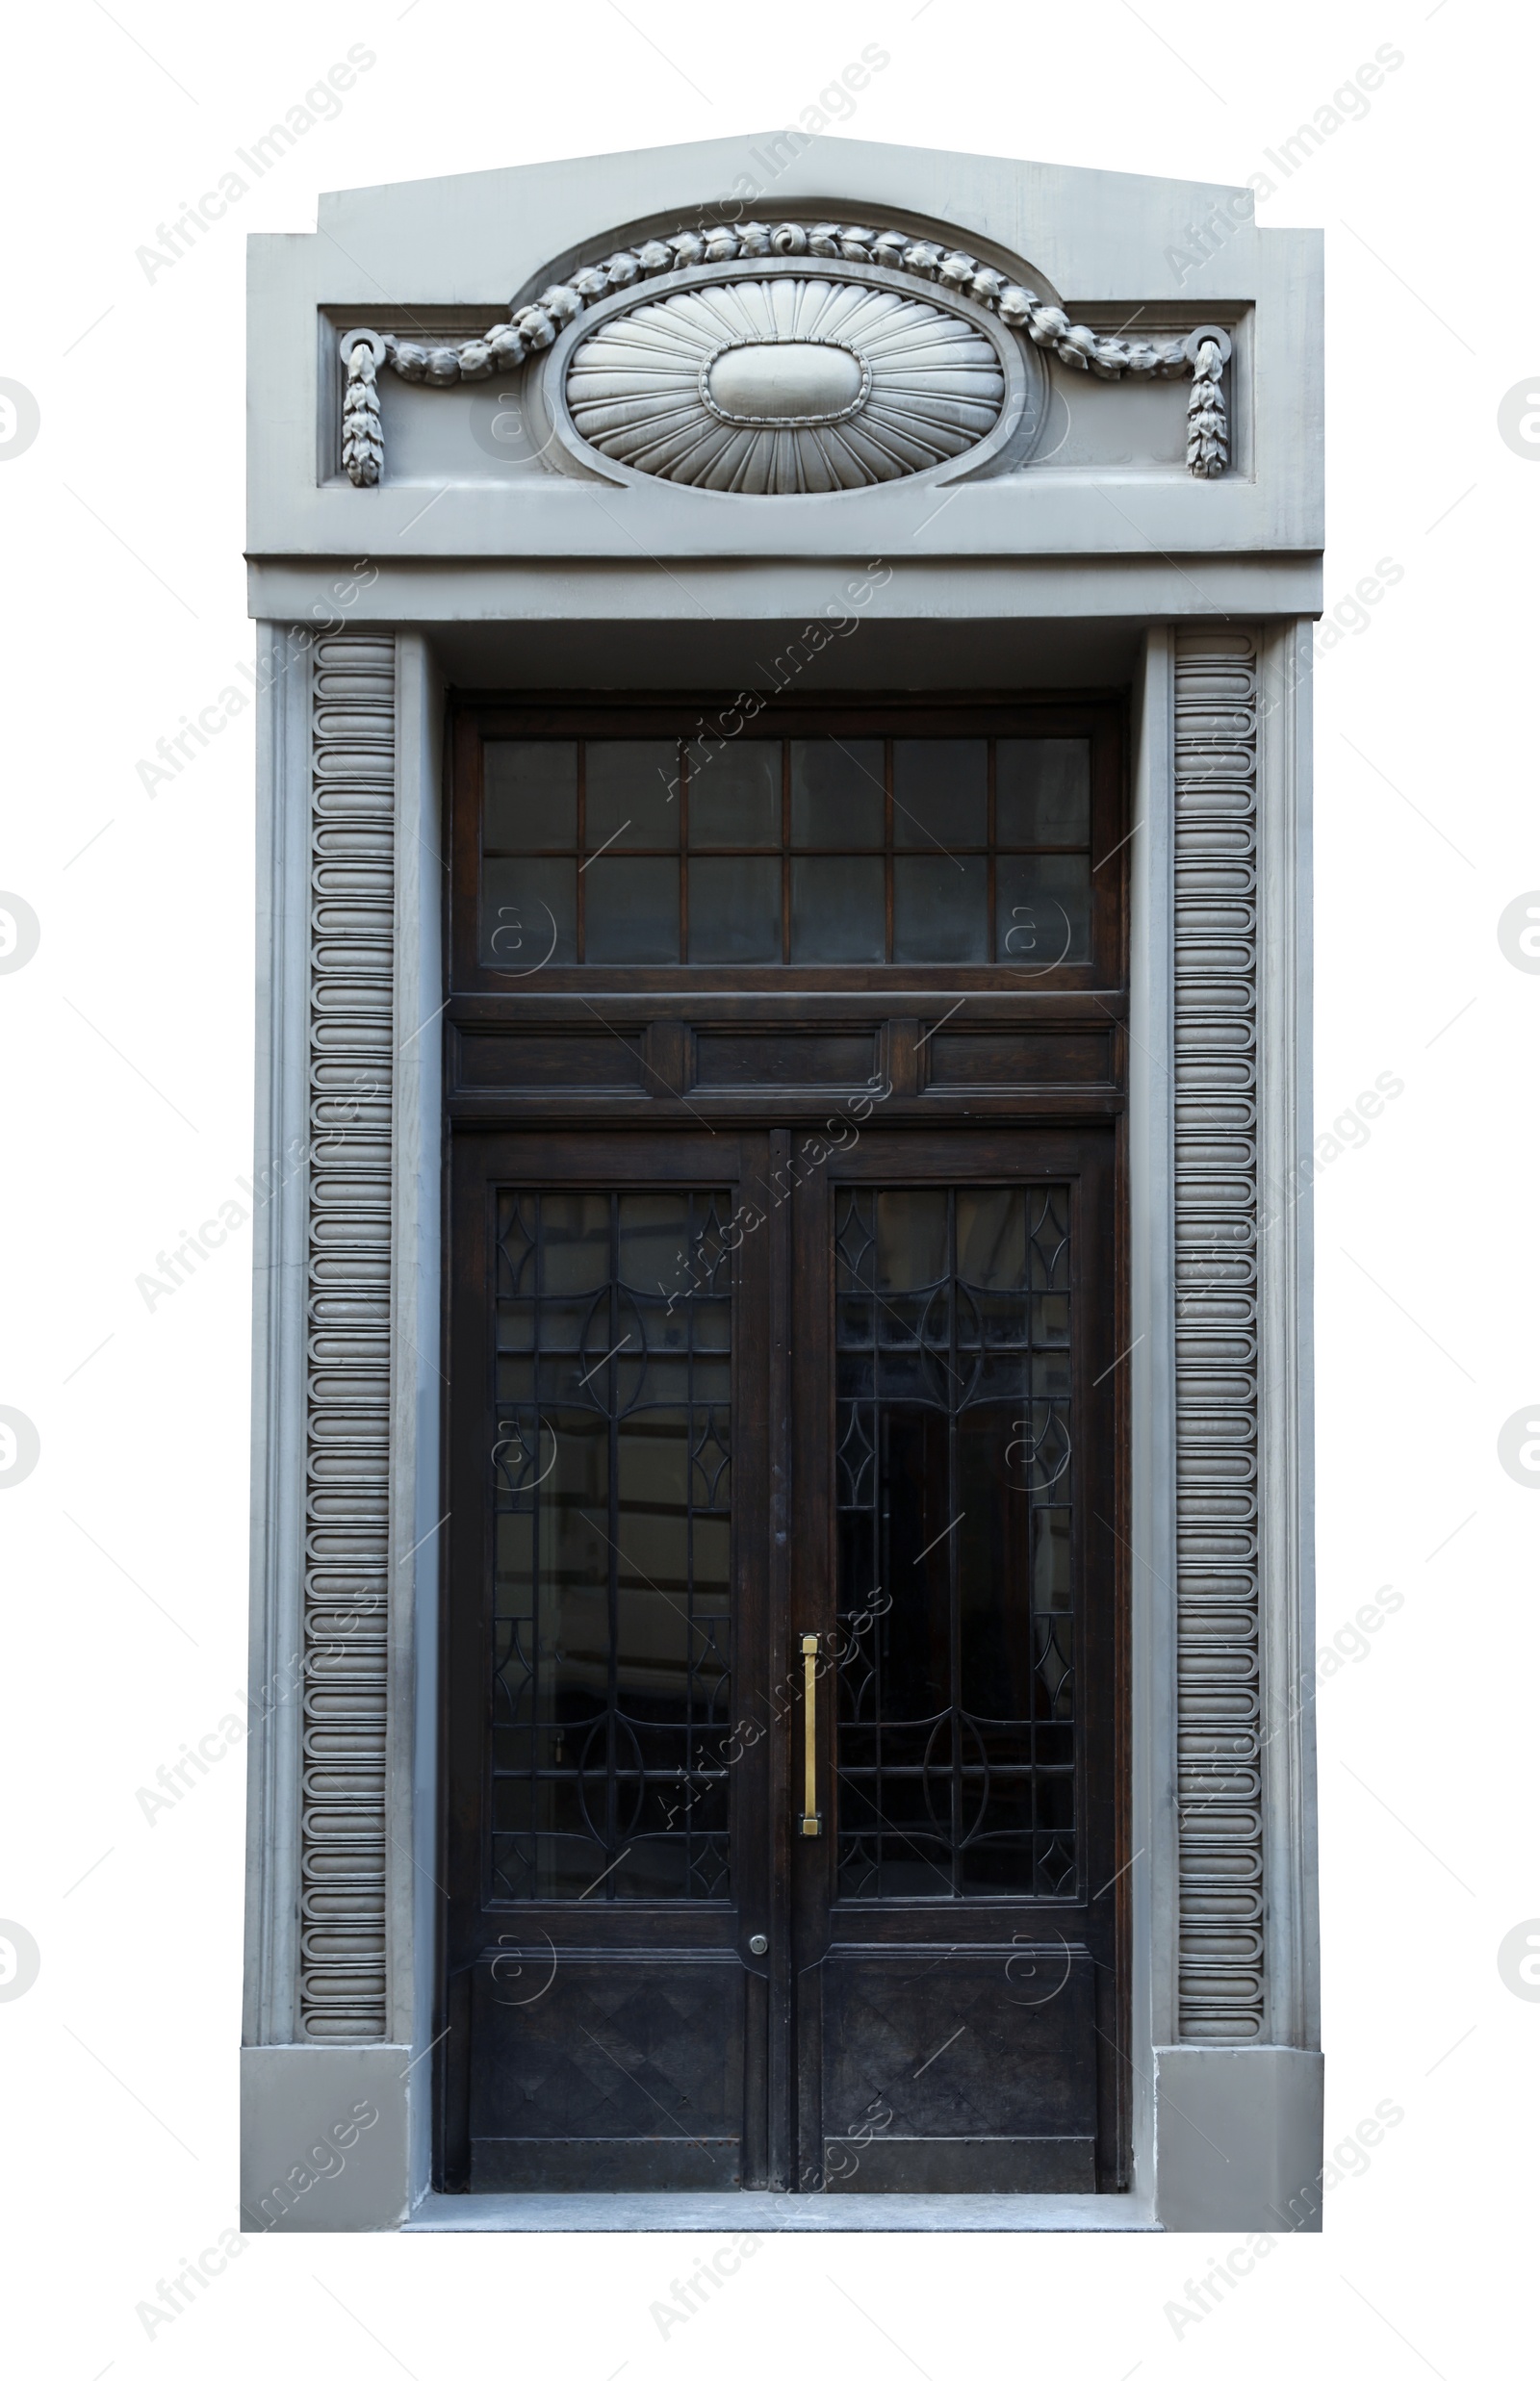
(481, 719)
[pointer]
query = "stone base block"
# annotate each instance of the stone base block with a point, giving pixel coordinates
(324, 2136)
(1238, 2139)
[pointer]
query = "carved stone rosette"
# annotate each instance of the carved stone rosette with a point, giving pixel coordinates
(342, 1981)
(1218, 1753)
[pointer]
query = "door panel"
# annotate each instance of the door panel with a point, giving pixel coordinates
(624, 2073)
(967, 2071)
(606, 1849)
(957, 2017)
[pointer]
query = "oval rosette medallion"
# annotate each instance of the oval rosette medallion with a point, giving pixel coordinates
(795, 385)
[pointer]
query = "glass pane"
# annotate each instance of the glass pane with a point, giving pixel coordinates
(632, 795)
(631, 910)
(940, 792)
(528, 913)
(735, 910)
(734, 794)
(651, 1250)
(531, 797)
(838, 910)
(574, 1259)
(1042, 910)
(859, 895)
(611, 1656)
(940, 909)
(955, 1701)
(837, 795)
(1043, 790)
(992, 1239)
(995, 1578)
(911, 1252)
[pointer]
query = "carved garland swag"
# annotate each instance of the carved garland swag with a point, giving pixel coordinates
(1203, 352)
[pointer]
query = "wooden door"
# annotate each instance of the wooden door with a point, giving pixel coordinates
(607, 1626)
(782, 1668)
(953, 1934)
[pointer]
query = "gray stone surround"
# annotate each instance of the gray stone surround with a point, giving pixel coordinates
(1205, 615)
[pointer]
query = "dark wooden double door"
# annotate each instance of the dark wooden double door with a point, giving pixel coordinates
(782, 1667)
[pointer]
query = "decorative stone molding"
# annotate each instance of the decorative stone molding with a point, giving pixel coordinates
(1220, 1984)
(343, 1949)
(1207, 436)
(506, 345)
(363, 437)
(784, 387)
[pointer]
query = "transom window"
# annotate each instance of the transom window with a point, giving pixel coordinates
(786, 850)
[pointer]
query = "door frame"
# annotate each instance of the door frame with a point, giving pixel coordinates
(1263, 2099)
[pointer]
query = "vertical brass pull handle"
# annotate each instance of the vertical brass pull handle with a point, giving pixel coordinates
(811, 1822)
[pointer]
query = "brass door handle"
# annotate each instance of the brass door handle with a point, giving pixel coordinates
(811, 1822)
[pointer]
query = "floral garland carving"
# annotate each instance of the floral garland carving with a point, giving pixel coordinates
(1207, 436)
(362, 433)
(506, 345)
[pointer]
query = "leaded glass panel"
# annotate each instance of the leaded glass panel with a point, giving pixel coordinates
(954, 1650)
(612, 1479)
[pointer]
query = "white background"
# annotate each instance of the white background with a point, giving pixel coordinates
(127, 1113)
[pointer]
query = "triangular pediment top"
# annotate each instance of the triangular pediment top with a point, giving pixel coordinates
(1096, 234)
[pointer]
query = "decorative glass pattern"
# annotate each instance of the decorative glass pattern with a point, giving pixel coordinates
(955, 1653)
(612, 1481)
(800, 851)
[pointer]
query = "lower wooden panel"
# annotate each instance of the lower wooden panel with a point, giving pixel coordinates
(959, 2070)
(623, 2072)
